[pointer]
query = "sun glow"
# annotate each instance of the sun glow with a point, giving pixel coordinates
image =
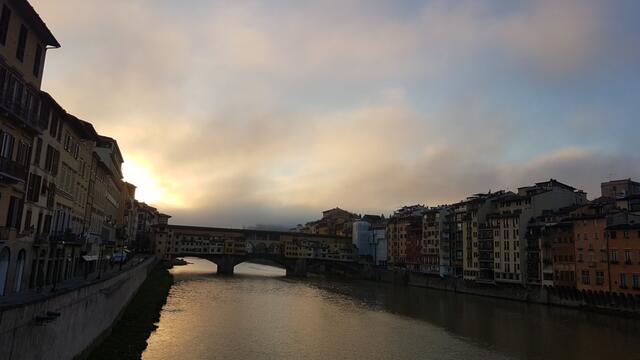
(147, 188)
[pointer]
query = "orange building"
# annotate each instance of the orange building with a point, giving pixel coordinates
(624, 256)
(591, 252)
(563, 253)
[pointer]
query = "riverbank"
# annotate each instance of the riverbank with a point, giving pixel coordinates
(606, 303)
(66, 323)
(128, 338)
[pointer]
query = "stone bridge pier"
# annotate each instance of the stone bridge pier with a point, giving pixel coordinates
(226, 263)
(298, 268)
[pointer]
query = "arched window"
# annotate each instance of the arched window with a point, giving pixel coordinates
(5, 257)
(20, 270)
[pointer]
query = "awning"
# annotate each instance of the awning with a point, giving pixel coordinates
(90, 257)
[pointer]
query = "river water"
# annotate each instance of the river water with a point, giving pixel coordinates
(260, 314)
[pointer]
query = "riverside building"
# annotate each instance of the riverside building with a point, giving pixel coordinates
(62, 207)
(24, 40)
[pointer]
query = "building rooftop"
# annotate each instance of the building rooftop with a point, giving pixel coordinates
(632, 226)
(621, 181)
(207, 228)
(31, 16)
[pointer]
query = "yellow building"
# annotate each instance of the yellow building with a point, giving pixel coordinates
(24, 38)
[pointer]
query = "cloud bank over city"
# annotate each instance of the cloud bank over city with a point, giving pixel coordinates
(247, 112)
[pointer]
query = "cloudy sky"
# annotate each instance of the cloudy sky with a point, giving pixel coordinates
(236, 113)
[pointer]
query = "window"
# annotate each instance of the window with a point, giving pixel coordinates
(53, 129)
(27, 220)
(506, 234)
(15, 213)
(585, 277)
(24, 152)
(623, 280)
(636, 281)
(37, 61)
(52, 160)
(599, 277)
(627, 256)
(613, 256)
(33, 188)
(22, 42)
(36, 158)
(4, 24)
(6, 147)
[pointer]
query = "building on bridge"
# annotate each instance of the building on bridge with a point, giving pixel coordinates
(233, 246)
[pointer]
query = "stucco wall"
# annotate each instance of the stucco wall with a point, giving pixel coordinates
(85, 314)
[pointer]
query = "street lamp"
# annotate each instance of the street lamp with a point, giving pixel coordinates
(373, 241)
(99, 261)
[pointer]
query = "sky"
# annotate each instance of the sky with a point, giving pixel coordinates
(237, 113)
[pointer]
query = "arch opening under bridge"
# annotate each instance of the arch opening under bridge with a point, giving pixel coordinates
(226, 263)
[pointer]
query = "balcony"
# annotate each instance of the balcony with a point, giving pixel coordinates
(64, 237)
(40, 239)
(7, 234)
(13, 170)
(19, 101)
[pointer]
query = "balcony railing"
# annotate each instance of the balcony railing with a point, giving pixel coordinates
(7, 234)
(19, 100)
(65, 237)
(13, 170)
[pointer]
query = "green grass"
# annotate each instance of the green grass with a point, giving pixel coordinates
(129, 336)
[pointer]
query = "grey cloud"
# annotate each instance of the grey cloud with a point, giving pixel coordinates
(215, 104)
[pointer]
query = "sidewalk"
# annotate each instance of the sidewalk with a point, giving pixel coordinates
(33, 295)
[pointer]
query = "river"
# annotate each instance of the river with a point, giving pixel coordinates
(260, 314)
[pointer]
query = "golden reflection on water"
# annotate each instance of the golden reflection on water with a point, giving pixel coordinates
(260, 314)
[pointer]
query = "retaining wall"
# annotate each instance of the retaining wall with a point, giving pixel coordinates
(612, 303)
(67, 324)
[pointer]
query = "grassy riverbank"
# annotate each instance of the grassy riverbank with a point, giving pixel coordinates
(129, 336)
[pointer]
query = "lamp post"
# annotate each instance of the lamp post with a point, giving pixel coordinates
(373, 241)
(99, 261)
(55, 273)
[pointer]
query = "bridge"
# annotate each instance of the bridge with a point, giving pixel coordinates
(298, 253)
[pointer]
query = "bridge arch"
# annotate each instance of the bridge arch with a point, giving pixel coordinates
(227, 263)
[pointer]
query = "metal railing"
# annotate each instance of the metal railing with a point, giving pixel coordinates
(7, 234)
(13, 169)
(19, 100)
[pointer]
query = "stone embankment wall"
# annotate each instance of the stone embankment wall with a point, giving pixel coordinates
(612, 303)
(64, 326)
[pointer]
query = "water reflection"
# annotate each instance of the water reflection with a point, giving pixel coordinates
(258, 313)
